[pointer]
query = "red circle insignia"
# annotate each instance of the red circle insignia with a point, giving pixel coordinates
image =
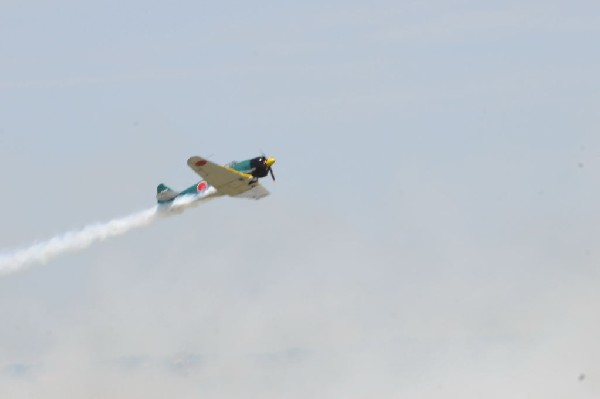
(201, 162)
(201, 186)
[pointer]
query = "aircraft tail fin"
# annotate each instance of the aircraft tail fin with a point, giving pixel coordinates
(165, 194)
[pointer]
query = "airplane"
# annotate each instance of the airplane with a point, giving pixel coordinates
(235, 179)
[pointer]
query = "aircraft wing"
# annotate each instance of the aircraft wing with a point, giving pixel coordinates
(256, 192)
(227, 181)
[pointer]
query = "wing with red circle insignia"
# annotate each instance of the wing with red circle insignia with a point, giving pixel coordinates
(227, 181)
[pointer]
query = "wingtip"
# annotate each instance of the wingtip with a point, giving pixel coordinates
(193, 160)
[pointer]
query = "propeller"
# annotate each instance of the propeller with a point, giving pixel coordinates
(272, 174)
(269, 164)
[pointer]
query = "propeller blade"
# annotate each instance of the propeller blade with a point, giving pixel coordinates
(272, 174)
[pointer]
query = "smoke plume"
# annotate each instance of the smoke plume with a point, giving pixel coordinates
(76, 240)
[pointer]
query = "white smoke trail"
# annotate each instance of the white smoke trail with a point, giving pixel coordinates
(73, 241)
(80, 239)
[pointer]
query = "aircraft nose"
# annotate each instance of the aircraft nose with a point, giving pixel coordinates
(270, 161)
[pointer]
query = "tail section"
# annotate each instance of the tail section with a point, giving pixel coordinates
(165, 194)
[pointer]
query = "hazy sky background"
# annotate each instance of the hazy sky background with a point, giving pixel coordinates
(432, 233)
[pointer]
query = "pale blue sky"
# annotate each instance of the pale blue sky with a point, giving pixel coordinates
(432, 232)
